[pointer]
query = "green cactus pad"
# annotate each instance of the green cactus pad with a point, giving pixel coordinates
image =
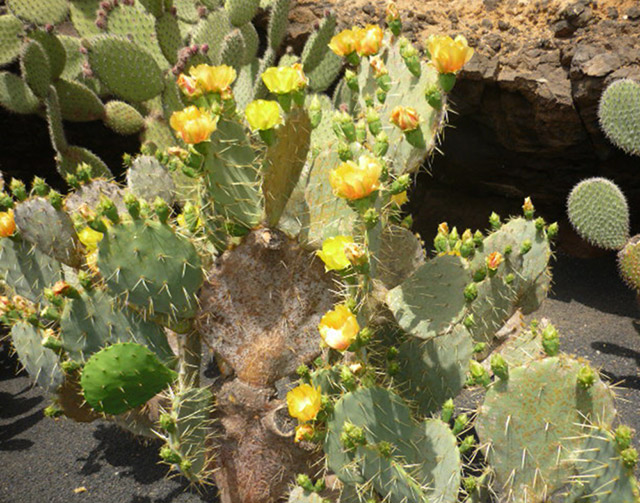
(54, 122)
(424, 462)
(54, 49)
(130, 59)
(138, 26)
(598, 211)
(169, 37)
(148, 179)
(26, 269)
(243, 86)
(11, 33)
(251, 42)
(36, 69)
(629, 263)
(317, 44)
(278, 23)
(122, 118)
(16, 96)
(241, 11)
(325, 73)
(83, 16)
(74, 58)
(94, 321)
(123, 376)
(38, 11)
(233, 49)
(157, 132)
(78, 103)
(602, 476)
(192, 410)
(533, 421)
(400, 254)
(232, 177)
(155, 7)
(50, 230)
(149, 265)
(211, 31)
(41, 363)
(328, 215)
(619, 114)
(431, 299)
(69, 160)
(284, 163)
(435, 370)
(186, 10)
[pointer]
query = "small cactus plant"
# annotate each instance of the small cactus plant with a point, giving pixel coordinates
(269, 230)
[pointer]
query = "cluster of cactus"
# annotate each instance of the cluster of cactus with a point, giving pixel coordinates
(121, 65)
(275, 240)
(597, 208)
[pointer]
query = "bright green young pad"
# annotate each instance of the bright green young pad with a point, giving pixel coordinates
(619, 114)
(149, 265)
(115, 59)
(41, 363)
(11, 32)
(95, 321)
(40, 11)
(123, 376)
(26, 269)
(629, 263)
(599, 212)
(432, 298)
(49, 229)
(533, 421)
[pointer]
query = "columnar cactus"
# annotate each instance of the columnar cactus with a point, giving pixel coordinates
(269, 230)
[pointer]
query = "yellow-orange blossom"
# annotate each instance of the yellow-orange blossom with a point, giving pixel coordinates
(449, 55)
(193, 124)
(354, 181)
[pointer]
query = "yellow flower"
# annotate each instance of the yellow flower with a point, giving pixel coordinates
(304, 402)
(391, 11)
(7, 224)
(303, 432)
(263, 114)
(194, 125)
(339, 328)
(333, 253)
(90, 238)
(370, 40)
(283, 79)
(214, 79)
(303, 79)
(399, 199)
(354, 181)
(345, 42)
(188, 85)
(494, 260)
(449, 55)
(378, 67)
(406, 118)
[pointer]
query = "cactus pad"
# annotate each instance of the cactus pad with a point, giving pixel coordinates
(11, 33)
(94, 321)
(16, 96)
(114, 59)
(77, 102)
(241, 11)
(41, 363)
(39, 11)
(48, 229)
(122, 118)
(598, 211)
(619, 114)
(431, 299)
(533, 421)
(123, 376)
(629, 263)
(400, 255)
(91, 193)
(148, 179)
(149, 265)
(36, 68)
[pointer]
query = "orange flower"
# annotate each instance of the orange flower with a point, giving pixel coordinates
(214, 79)
(303, 432)
(345, 42)
(193, 124)
(304, 402)
(339, 328)
(370, 40)
(406, 118)
(188, 85)
(449, 55)
(354, 181)
(494, 260)
(7, 224)
(378, 67)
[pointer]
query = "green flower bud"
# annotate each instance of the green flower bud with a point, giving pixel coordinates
(494, 221)
(479, 374)
(460, 424)
(586, 377)
(39, 187)
(447, 411)
(467, 444)
(526, 247)
(18, 189)
(499, 366)
(623, 437)
(629, 458)
(550, 340)
(552, 230)
(471, 292)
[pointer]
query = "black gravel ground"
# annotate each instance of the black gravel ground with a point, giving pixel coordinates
(45, 461)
